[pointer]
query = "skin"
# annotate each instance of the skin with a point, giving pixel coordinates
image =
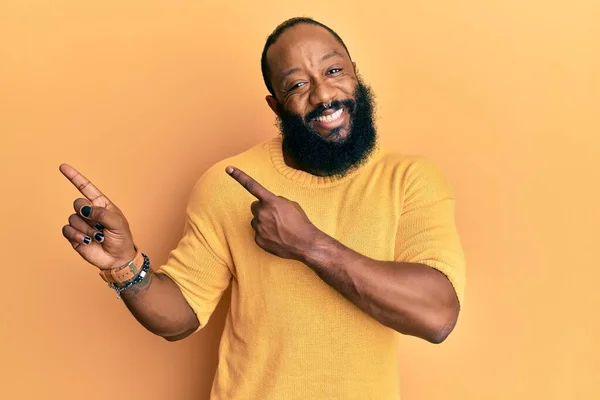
(309, 67)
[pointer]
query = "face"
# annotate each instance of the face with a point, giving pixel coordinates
(324, 109)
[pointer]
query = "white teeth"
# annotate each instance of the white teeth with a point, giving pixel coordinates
(330, 117)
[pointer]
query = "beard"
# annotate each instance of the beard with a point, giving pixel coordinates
(340, 155)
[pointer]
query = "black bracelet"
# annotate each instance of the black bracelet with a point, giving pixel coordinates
(138, 278)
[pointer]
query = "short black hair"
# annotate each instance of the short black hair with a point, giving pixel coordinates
(279, 30)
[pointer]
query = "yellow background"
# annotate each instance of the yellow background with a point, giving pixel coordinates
(142, 96)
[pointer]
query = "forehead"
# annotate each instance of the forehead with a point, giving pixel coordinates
(300, 45)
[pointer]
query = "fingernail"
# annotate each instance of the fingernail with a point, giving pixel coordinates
(229, 170)
(86, 211)
(99, 226)
(99, 237)
(87, 240)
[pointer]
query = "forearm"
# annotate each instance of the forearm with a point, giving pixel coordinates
(411, 298)
(157, 303)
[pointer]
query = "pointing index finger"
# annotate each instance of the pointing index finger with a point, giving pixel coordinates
(83, 184)
(253, 187)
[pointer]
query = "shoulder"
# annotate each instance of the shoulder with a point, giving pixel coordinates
(414, 172)
(219, 188)
(410, 166)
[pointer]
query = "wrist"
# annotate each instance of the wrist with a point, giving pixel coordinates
(126, 271)
(316, 248)
(128, 257)
(139, 277)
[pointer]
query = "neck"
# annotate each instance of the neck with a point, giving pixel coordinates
(291, 162)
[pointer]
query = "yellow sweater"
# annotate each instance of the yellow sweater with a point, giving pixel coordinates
(288, 334)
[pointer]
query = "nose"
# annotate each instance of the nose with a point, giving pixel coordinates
(322, 93)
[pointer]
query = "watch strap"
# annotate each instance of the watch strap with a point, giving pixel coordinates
(125, 273)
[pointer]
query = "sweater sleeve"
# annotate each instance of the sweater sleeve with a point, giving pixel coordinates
(427, 232)
(199, 264)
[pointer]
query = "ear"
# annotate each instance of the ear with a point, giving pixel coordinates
(272, 102)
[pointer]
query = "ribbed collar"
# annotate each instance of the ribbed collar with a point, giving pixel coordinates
(275, 146)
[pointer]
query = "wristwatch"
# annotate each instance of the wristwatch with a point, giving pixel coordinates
(126, 273)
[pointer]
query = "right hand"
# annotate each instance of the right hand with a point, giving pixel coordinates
(114, 246)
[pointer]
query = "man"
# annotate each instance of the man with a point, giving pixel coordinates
(332, 244)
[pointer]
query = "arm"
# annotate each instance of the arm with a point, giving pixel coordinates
(419, 291)
(178, 298)
(410, 298)
(157, 304)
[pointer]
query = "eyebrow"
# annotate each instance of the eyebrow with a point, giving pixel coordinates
(327, 56)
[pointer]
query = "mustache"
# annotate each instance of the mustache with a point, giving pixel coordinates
(349, 104)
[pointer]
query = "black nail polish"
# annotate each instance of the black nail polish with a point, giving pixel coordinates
(99, 226)
(87, 240)
(99, 237)
(86, 211)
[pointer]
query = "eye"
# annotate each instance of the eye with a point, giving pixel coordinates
(334, 70)
(296, 86)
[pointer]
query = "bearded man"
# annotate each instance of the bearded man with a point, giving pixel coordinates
(332, 244)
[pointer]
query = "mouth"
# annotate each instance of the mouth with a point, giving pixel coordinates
(330, 120)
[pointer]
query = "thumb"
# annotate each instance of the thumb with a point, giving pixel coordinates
(110, 219)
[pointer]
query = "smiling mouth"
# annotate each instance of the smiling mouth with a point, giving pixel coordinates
(330, 117)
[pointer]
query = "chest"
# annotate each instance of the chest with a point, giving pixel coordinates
(288, 297)
(362, 217)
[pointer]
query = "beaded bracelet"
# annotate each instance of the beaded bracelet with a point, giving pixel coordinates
(140, 277)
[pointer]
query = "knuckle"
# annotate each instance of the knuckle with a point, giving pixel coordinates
(98, 213)
(261, 229)
(83, 184)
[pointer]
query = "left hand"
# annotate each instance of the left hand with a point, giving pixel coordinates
(281, 226)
